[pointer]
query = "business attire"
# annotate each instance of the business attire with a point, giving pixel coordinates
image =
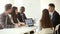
(46, 31)
(6, 21)
(55, 18)
(21, 17)
(1, 26)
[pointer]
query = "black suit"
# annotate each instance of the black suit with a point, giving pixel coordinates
(55, 19)
(20, 17)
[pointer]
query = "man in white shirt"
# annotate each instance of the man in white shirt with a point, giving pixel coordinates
(51, 14)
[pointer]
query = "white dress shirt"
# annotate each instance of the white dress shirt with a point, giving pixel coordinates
(51, 14)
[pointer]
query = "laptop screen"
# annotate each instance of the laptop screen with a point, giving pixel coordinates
(29, 21)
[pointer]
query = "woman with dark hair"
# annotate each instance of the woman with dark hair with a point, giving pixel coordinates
(47, 27)
(14, 14)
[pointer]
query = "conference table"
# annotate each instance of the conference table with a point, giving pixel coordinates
(20, 30)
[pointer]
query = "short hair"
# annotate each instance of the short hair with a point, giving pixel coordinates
(23, 7)
(52, 5)
(8, 6)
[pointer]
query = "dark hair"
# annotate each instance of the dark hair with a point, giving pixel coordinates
(14, 15)
(52, 5)
(8, 6)
(13, 10)
(23, 7)
(45, 20)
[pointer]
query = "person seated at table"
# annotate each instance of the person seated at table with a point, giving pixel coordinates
(46, 24)
(4, 17)
(14, 15)
(21, 14)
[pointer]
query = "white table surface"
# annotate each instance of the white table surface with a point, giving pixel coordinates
(17, 30)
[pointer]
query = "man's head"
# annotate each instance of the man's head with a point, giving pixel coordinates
(8, 8)
(51, 7)
(22, 9)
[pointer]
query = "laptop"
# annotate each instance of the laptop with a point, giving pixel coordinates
(29, 22)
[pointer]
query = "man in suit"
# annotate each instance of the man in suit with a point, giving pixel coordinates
(21, 15)
(5, 19)
(54, 15)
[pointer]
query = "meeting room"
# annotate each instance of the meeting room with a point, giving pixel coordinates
(29, 17)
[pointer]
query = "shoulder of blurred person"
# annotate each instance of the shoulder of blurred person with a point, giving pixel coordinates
(46, 31)
(56, 15)
(2, 17)
(3, 20)
(56, 18)
(55, 12)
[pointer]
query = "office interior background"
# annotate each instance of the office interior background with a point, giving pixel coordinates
(33, 8)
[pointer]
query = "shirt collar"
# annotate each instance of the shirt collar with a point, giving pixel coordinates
(51, 13)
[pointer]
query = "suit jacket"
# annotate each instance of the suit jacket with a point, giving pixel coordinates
(20, 17)
(55, 19)
(3, 21)
(1, 26)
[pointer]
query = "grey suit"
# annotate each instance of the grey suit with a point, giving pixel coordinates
(6, 21)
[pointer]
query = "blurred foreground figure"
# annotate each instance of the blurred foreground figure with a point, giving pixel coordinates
(5, 19)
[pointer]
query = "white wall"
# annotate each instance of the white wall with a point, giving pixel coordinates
(32, 8)
(17, 3)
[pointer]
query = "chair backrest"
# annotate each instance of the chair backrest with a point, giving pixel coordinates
(57, 29)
